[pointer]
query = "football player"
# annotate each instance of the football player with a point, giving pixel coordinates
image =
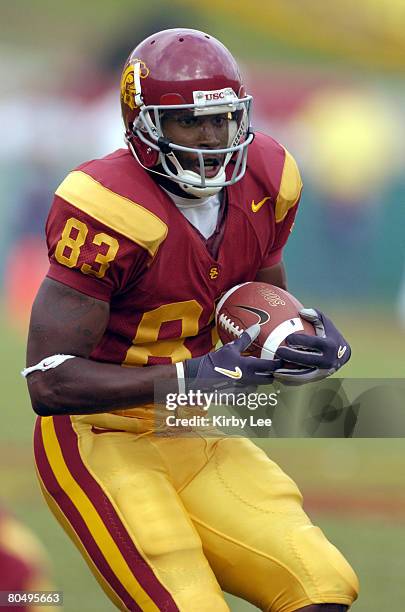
(141, 245)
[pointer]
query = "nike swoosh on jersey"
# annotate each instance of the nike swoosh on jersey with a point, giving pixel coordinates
(341, 351)
(256, 207)
(262, 314)
(236, 373)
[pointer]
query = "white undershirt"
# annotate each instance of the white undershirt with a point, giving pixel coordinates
(202, 213)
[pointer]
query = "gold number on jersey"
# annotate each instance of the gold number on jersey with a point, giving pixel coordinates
(67, 241)
(103, 260)
(75, 243)
(146, 343)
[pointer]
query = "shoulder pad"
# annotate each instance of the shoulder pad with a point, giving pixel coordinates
(276, 170)
(113, 210)
(290, 187)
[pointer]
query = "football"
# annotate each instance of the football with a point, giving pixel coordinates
(276, 311)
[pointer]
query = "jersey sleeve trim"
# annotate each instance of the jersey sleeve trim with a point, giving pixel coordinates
(290, 188)
(76, 280)
(113, 210)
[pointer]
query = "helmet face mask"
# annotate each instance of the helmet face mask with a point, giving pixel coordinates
(148, 129)
(193, 59)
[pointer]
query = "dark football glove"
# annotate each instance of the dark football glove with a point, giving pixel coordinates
(226, 367)
(320, 355)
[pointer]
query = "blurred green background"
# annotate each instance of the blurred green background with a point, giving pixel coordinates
(328, 81)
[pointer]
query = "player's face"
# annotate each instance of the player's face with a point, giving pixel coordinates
(204, 132)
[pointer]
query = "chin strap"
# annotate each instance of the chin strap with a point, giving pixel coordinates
(205, 191)
(200, 192)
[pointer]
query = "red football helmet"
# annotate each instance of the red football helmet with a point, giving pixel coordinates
(184, 69)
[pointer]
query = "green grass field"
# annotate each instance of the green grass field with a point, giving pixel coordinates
(353, 488)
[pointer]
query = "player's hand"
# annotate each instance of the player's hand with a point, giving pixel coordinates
(227, 367)
(320, 355)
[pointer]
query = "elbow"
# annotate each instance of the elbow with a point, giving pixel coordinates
(41, 408)
(44, 399)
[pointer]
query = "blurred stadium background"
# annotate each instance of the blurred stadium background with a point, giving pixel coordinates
(328, 81)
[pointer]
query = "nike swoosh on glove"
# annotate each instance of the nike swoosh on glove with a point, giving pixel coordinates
(227, 367)
(321, 355)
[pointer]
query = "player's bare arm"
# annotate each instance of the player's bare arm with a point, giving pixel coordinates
(274, 275)
(65, 321)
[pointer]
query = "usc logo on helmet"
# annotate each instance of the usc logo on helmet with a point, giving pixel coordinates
(128, 91)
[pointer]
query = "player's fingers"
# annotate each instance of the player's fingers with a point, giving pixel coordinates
(248, 336)
(314, 343)
(316, 318)
(262, 367)
(306, 358)
(296, 377)
(309, 314)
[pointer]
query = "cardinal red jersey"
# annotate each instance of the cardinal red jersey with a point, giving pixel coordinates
(114, 234)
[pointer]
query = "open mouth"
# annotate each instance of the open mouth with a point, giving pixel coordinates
(212, 166)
